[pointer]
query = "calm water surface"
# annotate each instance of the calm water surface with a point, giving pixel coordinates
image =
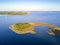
(8, 37)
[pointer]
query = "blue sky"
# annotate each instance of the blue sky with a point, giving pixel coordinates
(29, 5)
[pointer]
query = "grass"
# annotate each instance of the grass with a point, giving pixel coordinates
(20, 26)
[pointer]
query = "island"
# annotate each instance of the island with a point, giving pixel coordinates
(13, 12)
(23, 28)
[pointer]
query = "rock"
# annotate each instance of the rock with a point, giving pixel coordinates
(54, 31)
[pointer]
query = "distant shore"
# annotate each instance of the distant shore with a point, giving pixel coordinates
(13, 12)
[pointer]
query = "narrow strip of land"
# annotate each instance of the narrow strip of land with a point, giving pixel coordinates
(13, 12)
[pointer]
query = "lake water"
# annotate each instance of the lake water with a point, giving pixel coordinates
(8, 37)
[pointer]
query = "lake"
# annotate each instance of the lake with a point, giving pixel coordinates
(8, 37)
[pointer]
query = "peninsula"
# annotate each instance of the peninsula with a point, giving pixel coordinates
(23, 28)
(13, 12)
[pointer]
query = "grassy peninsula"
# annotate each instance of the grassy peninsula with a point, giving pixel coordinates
(22, 28)
(13, 12)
